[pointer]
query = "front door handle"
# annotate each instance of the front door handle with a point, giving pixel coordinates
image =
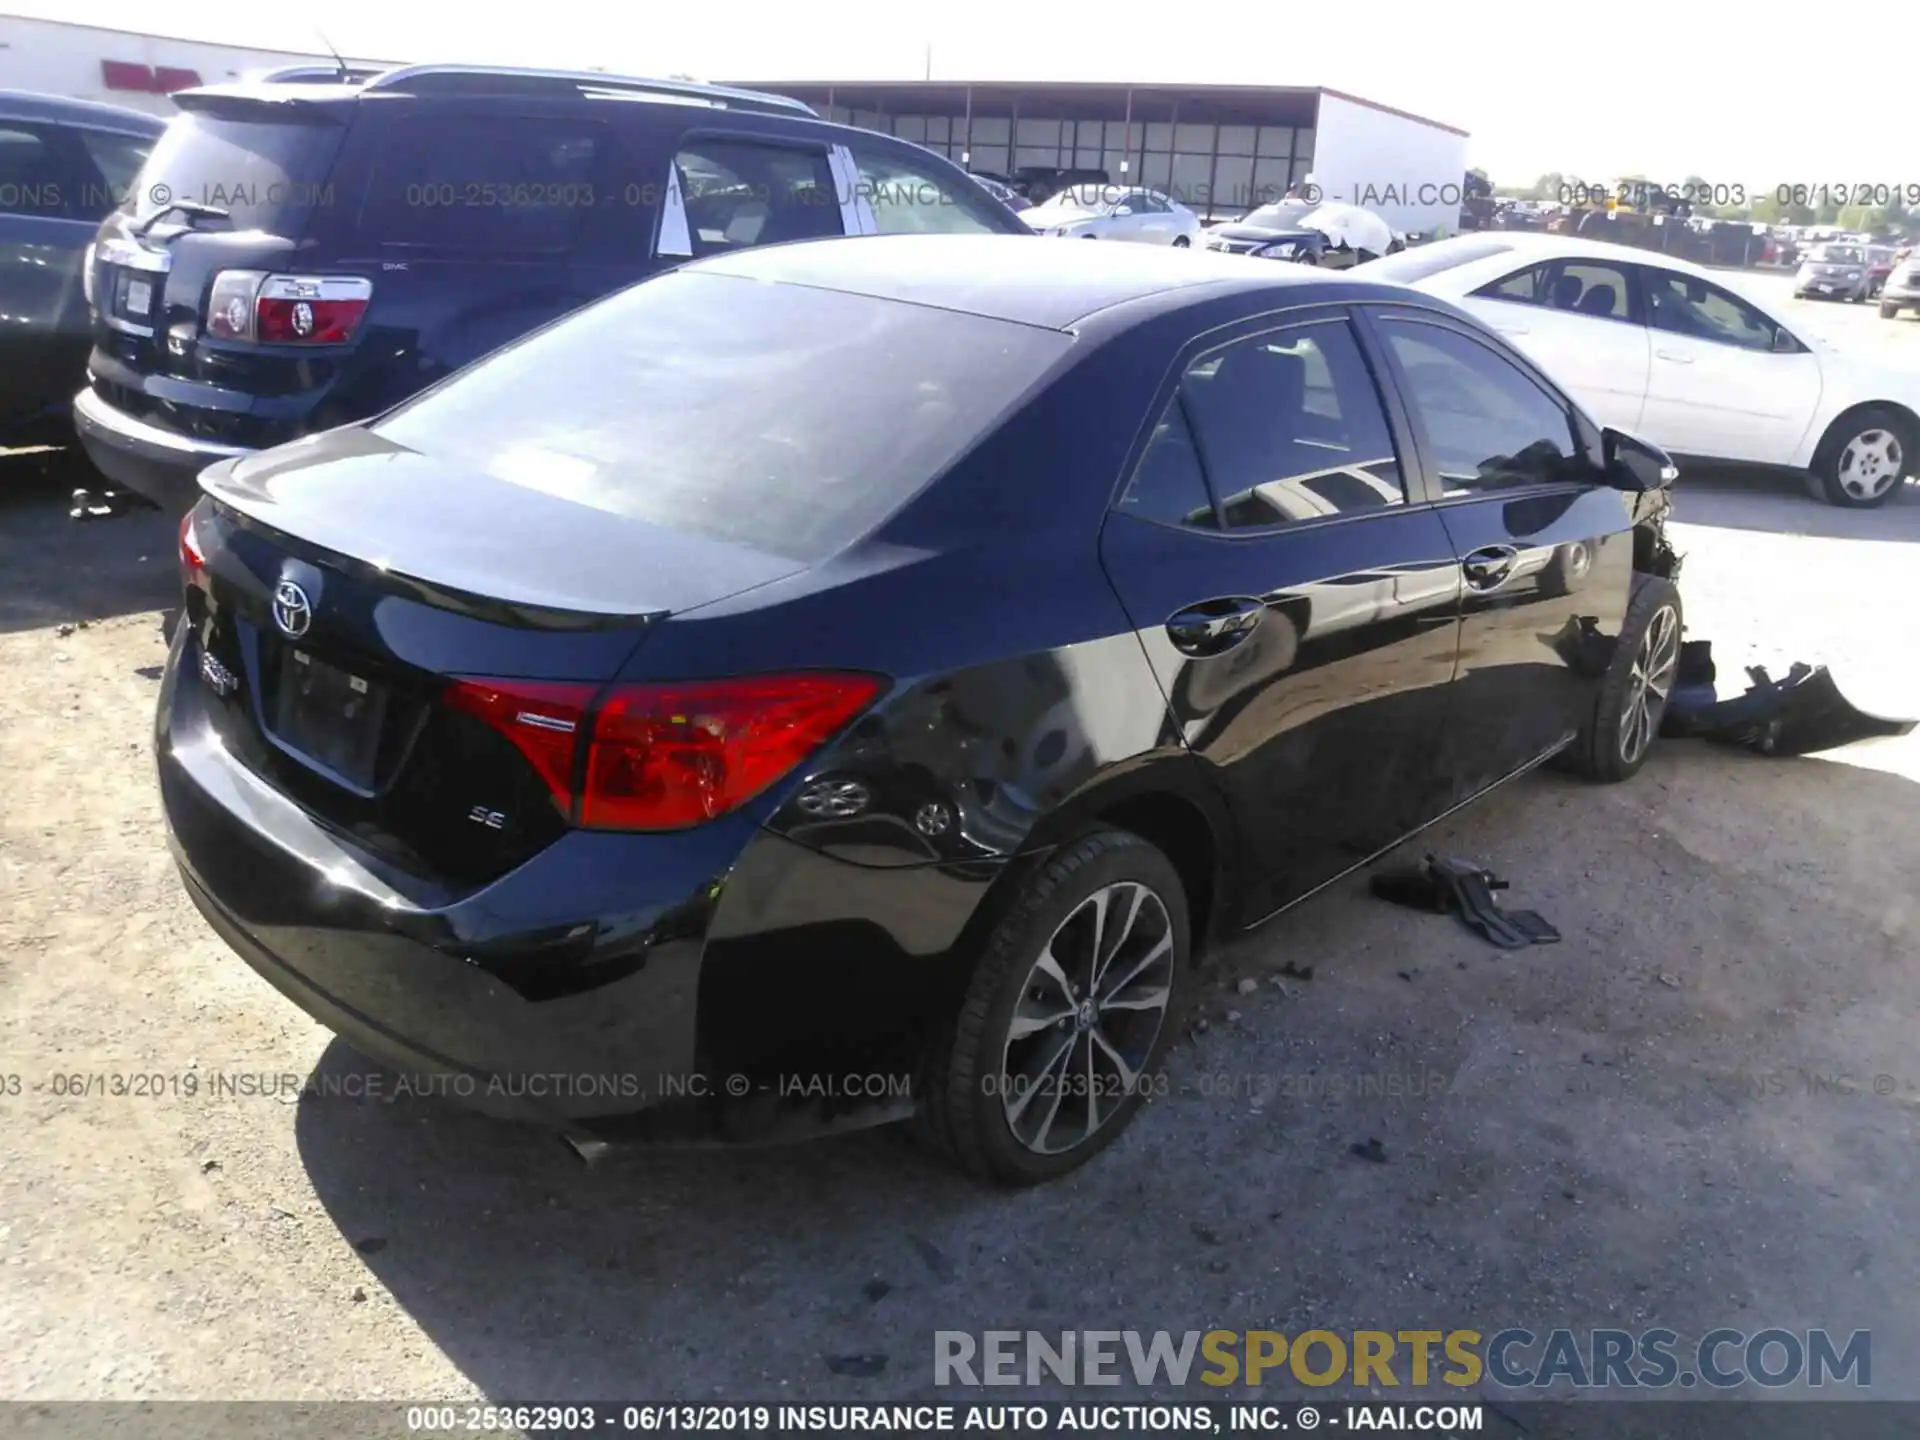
(1489, 567)
(1214, 627)
(1511, 329)
(1672, 358)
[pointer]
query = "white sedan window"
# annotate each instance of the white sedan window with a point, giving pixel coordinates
(1682, 305)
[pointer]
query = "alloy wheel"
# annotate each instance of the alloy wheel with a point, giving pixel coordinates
(1088, 1016)
(1872, 462)
(1647, 686)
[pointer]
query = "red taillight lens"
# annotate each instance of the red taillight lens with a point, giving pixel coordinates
(668, 756)
(543, 719)
(664, 757)
(193, 560)
(286, 309)
(307, 322)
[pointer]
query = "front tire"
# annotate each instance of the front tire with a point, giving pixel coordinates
(1889, 312)
(1864, 457)
(1066, 1017)
(1615, 741)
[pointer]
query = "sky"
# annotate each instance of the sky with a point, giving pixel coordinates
(1666, 89)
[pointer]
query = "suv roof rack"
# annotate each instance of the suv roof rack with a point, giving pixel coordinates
(487, 79)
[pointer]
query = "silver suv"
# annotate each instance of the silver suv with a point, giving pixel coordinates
(1902, 290)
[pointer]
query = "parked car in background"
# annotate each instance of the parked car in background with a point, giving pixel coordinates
(1664, 348)
(63, 165)
(1833, 271)
(299, 255)
(1108, 212)
(1880, 262)
(606, 712)
(1309, 232)
(1902, 290)
(1001, 191)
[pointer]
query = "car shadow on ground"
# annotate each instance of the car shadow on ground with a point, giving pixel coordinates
(54, 569)
(1589, 1133)
(1750, 498)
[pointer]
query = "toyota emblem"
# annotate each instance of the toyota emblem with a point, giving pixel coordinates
(291, 610)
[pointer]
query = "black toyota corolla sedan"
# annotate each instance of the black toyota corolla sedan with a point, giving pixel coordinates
(842, 682)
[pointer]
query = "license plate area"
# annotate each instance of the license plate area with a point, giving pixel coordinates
(329, 717)
(132, 295)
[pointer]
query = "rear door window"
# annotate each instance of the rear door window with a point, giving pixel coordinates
(784, 418)
(741, 193)
(485, 184)
(1290, 427)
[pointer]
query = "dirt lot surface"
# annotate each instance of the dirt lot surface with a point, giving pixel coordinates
(1697, 1111)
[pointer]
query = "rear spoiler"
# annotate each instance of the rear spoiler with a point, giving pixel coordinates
(288, 104)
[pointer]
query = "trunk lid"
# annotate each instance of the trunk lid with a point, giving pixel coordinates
(350, 583)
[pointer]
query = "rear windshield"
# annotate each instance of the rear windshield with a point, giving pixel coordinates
(266, 175)
(1837, 254)
(786, 419)
(1424, 260)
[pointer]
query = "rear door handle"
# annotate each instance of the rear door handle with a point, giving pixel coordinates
(1214, 627)
(1511, 329)
(1668, 355)
(1488, 567)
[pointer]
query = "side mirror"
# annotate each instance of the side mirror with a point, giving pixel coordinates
(1634, 464)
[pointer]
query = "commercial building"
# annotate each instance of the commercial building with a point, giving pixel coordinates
(1220, 149)
(122, 67)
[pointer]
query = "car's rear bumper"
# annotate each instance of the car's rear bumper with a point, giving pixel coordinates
(716, 983)
(154, 463)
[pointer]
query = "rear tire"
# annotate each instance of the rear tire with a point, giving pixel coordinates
(1615, 741)
(1180, 242)
(1888, 312)
(1864, 457)
(1027, 1036)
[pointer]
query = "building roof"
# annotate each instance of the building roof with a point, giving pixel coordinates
(1084, 99)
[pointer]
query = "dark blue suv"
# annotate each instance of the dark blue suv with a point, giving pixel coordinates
(63, 164)
(299, 253)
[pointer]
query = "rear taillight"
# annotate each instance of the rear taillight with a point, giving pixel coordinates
(193, 560)
(543, 720)
(286, 309)
(665, 757)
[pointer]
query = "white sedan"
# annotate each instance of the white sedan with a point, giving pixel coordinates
(1666, 350)
(1109, 212)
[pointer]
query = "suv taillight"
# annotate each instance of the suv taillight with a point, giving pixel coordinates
(665, 757)
(286, 309)
(193, 560)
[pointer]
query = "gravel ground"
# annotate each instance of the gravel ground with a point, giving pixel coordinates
(1699, 1110)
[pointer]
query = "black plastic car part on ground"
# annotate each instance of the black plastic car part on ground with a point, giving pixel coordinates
(63, 165)
(839, 680)
(296, 256)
